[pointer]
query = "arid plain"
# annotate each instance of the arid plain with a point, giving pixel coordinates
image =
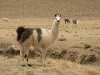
(75, 52)
(71, 38)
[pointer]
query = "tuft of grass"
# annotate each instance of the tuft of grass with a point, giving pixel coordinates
(66, 31)
(81, 58)
(62, 39)
(87, 46)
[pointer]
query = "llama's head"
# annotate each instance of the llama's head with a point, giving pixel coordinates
(57, 17)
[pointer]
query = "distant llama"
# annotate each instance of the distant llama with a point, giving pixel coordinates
(38, 38)
(75, 21)
(67, 20)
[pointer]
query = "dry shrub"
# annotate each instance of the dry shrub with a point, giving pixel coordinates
(71, 56)
(95, 49)
(35, 53)
(63, 54)
(85, 59)
(8, 49)
(12, 51)
(66, 31)
(87, 46)
(62, 39)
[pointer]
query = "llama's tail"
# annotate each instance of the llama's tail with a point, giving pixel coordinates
(19, 31)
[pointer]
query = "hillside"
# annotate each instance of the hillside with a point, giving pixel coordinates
(46, 8)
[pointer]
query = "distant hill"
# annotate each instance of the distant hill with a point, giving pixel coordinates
(47, 8)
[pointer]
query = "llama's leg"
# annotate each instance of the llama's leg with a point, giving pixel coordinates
(65, 21)
(44, 52)
(69, 21)
(27, 57)
(22, 57)
(24, 53)
(43, 57)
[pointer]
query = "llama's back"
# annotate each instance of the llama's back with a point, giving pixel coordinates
(38, 38)
(46, 38)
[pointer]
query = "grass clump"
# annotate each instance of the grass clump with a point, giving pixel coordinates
(62, 39)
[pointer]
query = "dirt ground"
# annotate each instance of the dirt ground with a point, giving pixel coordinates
(86, 32)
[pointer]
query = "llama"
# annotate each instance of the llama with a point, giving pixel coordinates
(75, 21)
(67, 20)
(38, 38)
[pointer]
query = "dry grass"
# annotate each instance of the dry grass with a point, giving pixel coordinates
(53, 66)
(11, 66)
(5, 44)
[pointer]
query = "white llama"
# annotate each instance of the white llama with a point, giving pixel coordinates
(75, 21)
(38, 38)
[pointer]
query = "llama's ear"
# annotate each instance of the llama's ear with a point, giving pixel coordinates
(55, 15)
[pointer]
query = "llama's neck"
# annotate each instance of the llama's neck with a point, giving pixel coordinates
(55, 29)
